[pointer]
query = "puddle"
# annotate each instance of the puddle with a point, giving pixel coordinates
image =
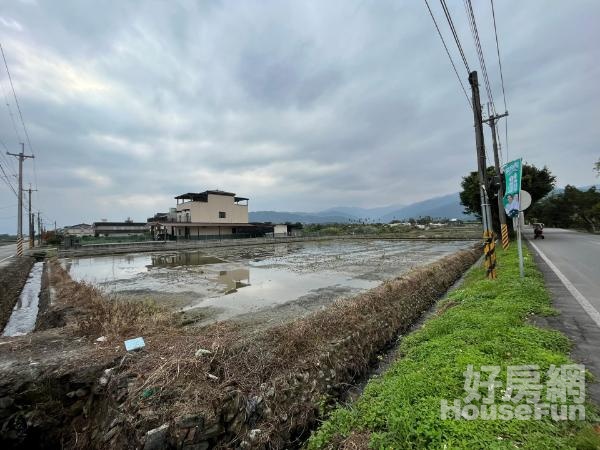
(24, 315)
(233, 281)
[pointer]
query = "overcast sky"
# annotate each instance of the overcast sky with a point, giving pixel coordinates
(299, 105)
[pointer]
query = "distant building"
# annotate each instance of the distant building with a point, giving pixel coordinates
(286, 230)
(79, 230)
(170, 216)
(126, 228)
(204, 214)
(280, 230)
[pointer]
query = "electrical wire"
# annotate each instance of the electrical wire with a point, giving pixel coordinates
(498, 52)
(479, 51)
(16, 99)
(501, 78)
(449, 56)
(6, 178)
(14, 125)
(454, 33)
(20, 114)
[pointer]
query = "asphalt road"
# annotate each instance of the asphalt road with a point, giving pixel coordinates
(570, 262)
(577, 256)
(6, 252)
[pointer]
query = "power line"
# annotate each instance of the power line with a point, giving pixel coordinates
(498, 52)
(479, 51)
(454, 33)
(16, 99)
(449, 56)
(13, 122)
(19, 110)
(6, 180)
(475, 33)
(4, 160)
(6, 177)
(501, 78)
(8, 161)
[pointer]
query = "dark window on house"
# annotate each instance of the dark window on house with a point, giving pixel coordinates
(222, 214)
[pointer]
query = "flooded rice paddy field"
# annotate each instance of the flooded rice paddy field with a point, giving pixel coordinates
(261, 283)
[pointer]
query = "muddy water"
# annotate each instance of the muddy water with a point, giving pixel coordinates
(24, 314)
(266, 283)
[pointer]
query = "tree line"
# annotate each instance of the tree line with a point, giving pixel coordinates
(569, 208)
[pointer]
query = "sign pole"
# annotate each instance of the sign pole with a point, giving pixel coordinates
(519, 245)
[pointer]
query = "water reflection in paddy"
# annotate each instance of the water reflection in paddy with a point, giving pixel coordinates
(238, 280)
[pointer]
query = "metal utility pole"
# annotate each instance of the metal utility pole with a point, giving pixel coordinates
(22, 156)
(491, 121)
(31, 220)
(489, 245)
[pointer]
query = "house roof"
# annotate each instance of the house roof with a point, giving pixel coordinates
(203, 196)
(79, 225)
(112, 224)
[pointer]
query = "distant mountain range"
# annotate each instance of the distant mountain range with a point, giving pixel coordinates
(560, 190)
(447, 206)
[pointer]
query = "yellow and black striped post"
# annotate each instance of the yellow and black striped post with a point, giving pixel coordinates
(489, 251)
(19, 246)
(505, 240)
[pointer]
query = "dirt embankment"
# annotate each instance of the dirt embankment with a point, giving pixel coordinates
(12, 279)
(219, 386)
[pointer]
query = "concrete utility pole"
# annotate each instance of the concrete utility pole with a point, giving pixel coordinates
(39, 221)
(489, 245)
(491, 121)
(21, 157)
(31, 220)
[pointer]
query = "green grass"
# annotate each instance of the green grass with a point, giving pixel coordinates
(484, 322)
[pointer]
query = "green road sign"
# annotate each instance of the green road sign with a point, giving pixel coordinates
(512, 178)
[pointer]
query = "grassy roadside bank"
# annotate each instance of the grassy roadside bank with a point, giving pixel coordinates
(482, 323)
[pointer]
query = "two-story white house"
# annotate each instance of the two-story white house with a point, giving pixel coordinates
(209, 213)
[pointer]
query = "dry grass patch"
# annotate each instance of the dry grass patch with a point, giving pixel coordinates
(91, 312)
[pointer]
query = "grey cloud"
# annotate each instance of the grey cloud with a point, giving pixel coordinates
(298, 105)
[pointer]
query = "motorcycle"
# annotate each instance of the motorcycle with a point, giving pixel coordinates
(538, 231)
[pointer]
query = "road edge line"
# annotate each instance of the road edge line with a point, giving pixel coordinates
(8, 257)
(583, 302)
